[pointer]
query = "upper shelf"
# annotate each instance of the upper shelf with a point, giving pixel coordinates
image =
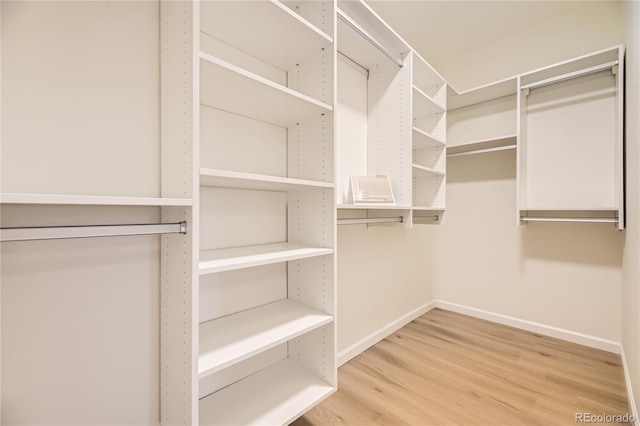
(229, 179)
(424, 105)
(234, 338)
(428, 80)
(90, 200)
(423, 140)
(481, 94)
(277, 35)
(229, 259)
(230, 88)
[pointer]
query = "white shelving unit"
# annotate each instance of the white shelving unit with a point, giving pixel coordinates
(429, 140)
(266, 206)
(373, 111)
(570, 130)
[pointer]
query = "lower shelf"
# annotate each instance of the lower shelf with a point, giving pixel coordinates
(276, 395)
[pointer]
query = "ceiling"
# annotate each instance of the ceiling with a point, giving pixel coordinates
(439, 29)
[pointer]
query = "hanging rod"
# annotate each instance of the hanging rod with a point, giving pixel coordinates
(436, 217)
(82, 231)
(399, 219)
(365, 34)
(358, 67)
(570, 75)
(570, 219)
(482, 151)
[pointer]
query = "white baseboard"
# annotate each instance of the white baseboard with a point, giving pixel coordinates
(364, 344)
(546, 330)
(627, 378)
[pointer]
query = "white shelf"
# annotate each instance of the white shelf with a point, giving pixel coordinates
(234, 338)
(212, 261)
(230, 88)
(278, 394)
(229, 179)
(419, 170)
(371, 207)
(90, 200)
(427, 209)
(481, 94)
(278, 35)
(485, 145)
(424, 105)
(427, 79)
(424, 140)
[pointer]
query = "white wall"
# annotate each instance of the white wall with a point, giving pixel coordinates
(557, 274)
(590, 26)
(631, 262)
(383, 274)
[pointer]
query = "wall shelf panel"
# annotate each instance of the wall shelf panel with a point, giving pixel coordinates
(279, 394)
(423, 104)
(419, 170)
(234, 338)
(424, 140)
(229, 179)
(482, 94)
(229, 259)
(95, 200)
(223, 83)
(486, 145)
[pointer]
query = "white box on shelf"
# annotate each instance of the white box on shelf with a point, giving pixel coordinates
(372, 190)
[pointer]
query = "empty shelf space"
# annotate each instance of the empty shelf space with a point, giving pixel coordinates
(498, 143)
(234, 338)
(229, 259)
(419, 170)
(423, 104)
(90, 200)
(423, 140)
(279, 394)
(229, 179)
(481, 94)
(278, 35)
(230, 88)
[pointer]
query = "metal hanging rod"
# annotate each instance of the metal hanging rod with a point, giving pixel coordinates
(360, 68)
(399, 219)
(482, 151)
(570, 219)
(365, 34)
(570, 75)
(88, 231)
(435, 217)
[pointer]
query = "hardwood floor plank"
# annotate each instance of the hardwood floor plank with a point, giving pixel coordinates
(446, 368)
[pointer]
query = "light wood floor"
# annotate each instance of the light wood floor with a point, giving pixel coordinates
(445, 368)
